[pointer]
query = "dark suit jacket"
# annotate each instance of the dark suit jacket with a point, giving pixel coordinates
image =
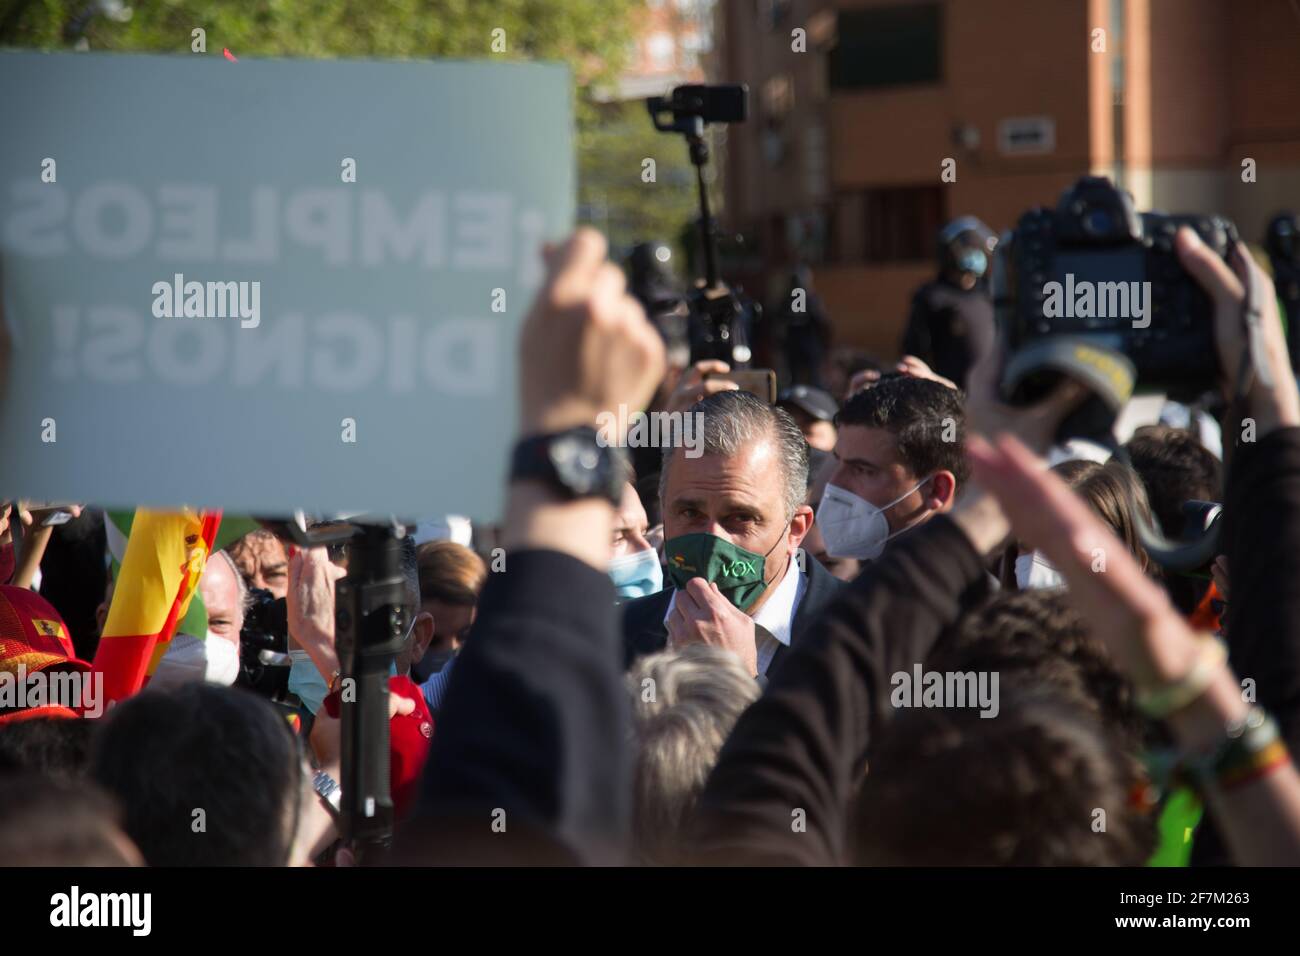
(643, 618)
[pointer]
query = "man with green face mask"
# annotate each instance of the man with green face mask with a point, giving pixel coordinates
(734, 518)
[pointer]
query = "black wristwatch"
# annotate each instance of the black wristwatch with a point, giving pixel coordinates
(573, 463)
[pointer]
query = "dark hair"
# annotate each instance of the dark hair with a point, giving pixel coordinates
(817, 460)
(57, 747)
(949, 788)
(166, 754)
(918, 413)
(46, 822)
(1039, 634)
(1175, 468)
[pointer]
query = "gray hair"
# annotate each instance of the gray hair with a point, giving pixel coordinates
(735, 419)
(245, 595)
(684, 705)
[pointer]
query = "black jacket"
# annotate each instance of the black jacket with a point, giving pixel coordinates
(803, 743)
(948, 328)
(530, 761)
(1261, 538)
(643, 618)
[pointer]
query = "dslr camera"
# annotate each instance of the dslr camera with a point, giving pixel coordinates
(1094, 289)
(264, 646)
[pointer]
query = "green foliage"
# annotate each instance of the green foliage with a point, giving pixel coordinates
(612, 196)
(591, 36)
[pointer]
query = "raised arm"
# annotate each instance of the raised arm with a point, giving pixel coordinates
(529, 764)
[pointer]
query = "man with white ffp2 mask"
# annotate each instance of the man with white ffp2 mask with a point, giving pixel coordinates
(900, 461)
(213, 658)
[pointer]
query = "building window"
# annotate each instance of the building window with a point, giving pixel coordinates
(896, 224)
(890, 46)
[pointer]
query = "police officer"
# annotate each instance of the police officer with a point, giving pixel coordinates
(943, 330)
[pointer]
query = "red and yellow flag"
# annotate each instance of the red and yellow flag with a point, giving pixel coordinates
(165, 557)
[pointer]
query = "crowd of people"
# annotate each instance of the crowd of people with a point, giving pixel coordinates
(899, 625)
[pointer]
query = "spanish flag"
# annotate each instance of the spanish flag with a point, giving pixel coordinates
(165, 557)
(195, 620)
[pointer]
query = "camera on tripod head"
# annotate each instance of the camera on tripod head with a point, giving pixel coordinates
(1094, 289)
(719, 316)
(718, 103)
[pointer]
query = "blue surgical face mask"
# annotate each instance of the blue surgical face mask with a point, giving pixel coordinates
(637, 574)
(306, 681)
(973, 261)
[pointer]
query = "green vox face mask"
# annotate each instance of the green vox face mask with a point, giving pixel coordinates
(737, 573)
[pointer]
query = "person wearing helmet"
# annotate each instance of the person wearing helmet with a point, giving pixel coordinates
(947, 328)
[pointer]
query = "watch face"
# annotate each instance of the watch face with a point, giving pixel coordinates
(579, 464)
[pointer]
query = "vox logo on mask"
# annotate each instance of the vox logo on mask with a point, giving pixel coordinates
(738, 573)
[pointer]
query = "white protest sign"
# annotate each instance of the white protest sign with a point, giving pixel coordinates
(272, 284)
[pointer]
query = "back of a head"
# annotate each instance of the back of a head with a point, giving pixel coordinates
(1116, 494)
(927, 420)
(684, 706)
(45, 822)
(55, 747)
(1038, 635)
(1075, 471)
(450, 572)
(1175, 468)
(206, 776)
(1041, 784)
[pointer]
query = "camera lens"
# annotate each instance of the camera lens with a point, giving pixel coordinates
(1098, 222)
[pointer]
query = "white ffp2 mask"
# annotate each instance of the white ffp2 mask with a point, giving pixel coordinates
(852, 526)
(188, 658)
(1035, 571)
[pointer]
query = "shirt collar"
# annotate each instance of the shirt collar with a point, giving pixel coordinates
(776, 616)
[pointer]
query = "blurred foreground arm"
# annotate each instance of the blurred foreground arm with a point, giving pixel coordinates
(1259, 813)
(530, 762)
